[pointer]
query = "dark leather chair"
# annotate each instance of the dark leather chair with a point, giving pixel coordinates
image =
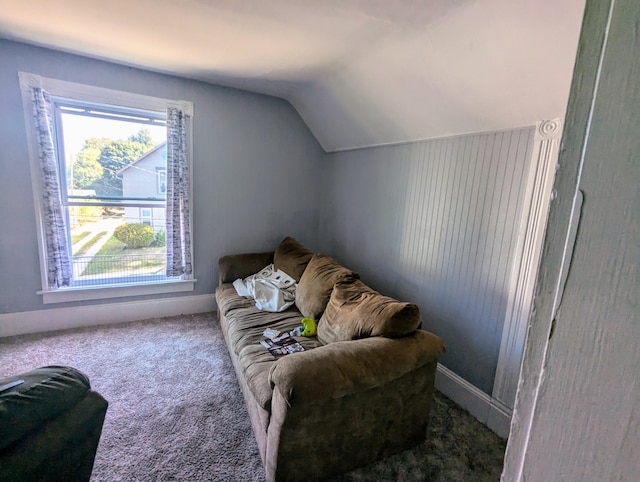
(50, 425)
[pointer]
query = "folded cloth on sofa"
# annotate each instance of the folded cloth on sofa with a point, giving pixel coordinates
(273, 290)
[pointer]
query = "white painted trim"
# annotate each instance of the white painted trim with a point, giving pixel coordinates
(487, 410)
(89, 93)
(423, 139)
(526, 258)
(80, 316)
(64, 295)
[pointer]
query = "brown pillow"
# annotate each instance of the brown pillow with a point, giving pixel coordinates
(356, 311)
(316, 284)
(291, 257)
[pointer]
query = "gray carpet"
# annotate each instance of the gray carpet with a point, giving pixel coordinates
(176, 411)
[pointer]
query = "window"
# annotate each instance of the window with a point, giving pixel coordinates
(107, 159)
(108, 177)
(145, 218)
(161, 178)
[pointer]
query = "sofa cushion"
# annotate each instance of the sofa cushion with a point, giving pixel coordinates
(227, 299)
(316, 284)
(256, 362)
(291, 257)
(243, 325)
(356, 311)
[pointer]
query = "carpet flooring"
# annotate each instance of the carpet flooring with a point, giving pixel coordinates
(176, 411)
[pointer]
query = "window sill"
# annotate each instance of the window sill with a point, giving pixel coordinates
(104, 292)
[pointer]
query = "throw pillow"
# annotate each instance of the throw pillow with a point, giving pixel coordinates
(356, 311)
(291, 257)
(316, 284)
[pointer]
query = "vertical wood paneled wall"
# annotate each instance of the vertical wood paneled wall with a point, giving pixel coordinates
(435, 222)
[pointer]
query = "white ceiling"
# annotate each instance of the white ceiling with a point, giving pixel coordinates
(359, 72)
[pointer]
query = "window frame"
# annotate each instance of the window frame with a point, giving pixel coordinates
(120, 100)
(146, 218)
(161, 179)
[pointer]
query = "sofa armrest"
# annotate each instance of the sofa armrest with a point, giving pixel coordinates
(234, 266)
(342, 368)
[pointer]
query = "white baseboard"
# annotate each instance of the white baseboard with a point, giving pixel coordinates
(79, 316)
(486, 409)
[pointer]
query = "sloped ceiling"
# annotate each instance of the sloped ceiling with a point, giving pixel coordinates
(359, 72)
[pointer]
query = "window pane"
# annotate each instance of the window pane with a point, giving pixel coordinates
(100, 154)
(118, 238)
(105, 253)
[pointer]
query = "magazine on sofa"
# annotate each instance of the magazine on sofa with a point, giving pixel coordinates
(282, 345)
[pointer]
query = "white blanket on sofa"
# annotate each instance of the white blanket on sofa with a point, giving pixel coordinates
(273, 290)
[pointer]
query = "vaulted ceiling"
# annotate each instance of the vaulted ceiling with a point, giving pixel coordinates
(359, 72)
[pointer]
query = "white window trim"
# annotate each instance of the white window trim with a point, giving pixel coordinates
(64, 295)
(100, 95)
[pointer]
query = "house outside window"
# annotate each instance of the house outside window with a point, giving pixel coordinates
(111, 153)
(146, 178)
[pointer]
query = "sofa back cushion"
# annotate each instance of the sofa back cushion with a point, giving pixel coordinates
(291, 257)
(316, 284)
(356, 311)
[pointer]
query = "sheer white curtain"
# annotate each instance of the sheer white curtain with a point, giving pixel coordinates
(59, 269)
(178, 183)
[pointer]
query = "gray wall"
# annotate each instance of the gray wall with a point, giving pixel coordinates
(435, 222)
(253, 159)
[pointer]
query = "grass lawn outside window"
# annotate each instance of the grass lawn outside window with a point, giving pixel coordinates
(114, 257)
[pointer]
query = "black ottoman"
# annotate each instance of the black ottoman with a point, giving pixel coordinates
(50, 425)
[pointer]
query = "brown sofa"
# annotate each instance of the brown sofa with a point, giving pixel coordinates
(362, 388)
